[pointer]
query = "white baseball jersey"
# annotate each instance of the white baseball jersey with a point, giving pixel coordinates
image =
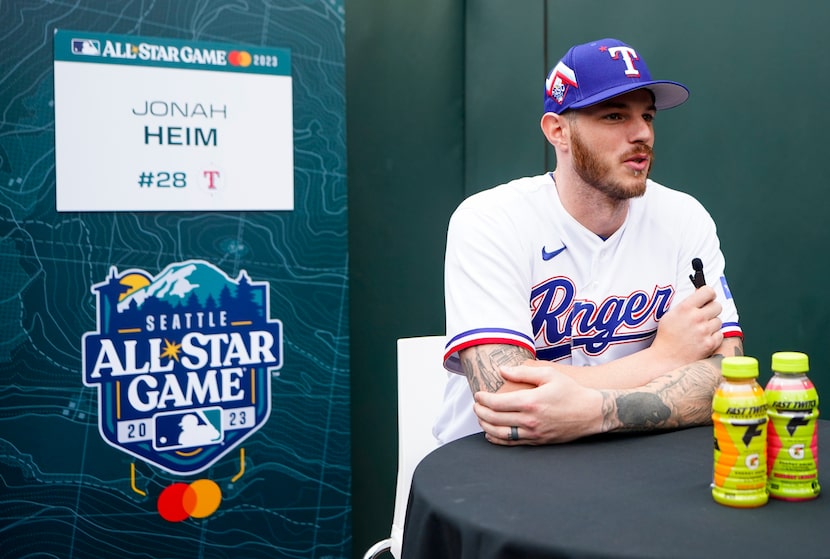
(520, 270)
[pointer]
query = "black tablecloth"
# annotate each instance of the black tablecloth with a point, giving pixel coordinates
(612, 496)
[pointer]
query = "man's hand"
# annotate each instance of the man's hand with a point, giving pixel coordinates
(558, 410)
(690, 330)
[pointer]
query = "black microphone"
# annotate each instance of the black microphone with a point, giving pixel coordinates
(697, 279)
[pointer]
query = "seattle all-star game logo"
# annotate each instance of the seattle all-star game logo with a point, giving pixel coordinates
(182, 362)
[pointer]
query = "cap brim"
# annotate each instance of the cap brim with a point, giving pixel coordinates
(666, 94)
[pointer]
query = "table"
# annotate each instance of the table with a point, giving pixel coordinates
(644, 495)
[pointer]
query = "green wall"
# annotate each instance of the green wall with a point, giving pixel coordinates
(404, 85)
(444, 100)
(414, 73)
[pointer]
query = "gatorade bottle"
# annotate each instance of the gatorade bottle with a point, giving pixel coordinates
(739, 413)
(792, 432)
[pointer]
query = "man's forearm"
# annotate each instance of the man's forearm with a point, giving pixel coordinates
(481, 364)
(632, 371)
(680, 398)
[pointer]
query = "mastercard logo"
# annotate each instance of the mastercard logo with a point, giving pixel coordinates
(239, 58)
(181, 501)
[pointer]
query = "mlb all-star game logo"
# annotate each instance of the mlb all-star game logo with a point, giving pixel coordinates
(182, 362)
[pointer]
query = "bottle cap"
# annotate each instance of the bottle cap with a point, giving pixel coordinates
(739, 367)
(790, 362)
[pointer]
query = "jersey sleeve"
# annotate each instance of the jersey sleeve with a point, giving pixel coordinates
(486, 281)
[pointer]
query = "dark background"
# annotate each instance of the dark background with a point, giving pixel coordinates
(444, 99)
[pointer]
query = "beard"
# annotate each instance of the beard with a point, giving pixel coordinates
(600, 174)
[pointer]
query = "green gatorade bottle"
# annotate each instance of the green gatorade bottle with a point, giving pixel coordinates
(792, 432)
(739, 414)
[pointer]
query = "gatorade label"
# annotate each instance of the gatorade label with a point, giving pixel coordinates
(740, 458)
(792, 440)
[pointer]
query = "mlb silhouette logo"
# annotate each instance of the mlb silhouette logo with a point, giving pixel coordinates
(190, 429)
(88, 47)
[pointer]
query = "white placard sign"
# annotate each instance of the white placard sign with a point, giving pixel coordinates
(148, 124)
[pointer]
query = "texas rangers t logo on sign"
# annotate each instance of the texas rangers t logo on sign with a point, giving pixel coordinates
(182, 362)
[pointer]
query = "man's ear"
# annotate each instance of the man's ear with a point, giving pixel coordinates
(555, 129)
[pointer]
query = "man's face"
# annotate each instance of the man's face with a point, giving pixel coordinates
(611, 144)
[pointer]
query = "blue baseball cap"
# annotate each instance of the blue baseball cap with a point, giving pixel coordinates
(593, 72)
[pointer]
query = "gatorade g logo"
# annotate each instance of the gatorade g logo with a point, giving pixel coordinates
(752, 461)
(797, 451)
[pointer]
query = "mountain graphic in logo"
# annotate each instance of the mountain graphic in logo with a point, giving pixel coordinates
(178, 283)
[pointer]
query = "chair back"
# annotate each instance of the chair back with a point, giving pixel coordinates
(421, 382)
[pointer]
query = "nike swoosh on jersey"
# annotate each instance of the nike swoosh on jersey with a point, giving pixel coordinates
(548, 255)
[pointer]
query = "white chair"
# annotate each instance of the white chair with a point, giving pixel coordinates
(421, 382)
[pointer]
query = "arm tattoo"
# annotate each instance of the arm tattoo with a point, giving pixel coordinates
(481, 364)
(640, 409)
(678, 399)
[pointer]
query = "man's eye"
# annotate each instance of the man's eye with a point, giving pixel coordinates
(614, 116)
(648, 117)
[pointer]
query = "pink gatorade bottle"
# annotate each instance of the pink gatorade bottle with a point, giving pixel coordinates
(792, 431)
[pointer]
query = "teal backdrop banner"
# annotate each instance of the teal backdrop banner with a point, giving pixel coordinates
(175, 373)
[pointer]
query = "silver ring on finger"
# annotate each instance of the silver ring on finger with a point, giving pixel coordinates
(514, 434)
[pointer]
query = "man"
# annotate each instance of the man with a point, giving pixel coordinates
(570, 309)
